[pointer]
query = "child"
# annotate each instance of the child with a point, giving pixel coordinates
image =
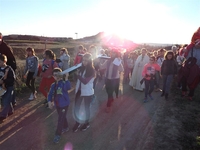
(130, 64)
(169, 69)
(159, 60)
(47, 67)
(31, 70)
(78, 58)
(148, 73)
(9, 84)
(59, 94)
(84, 91)
(64, 58)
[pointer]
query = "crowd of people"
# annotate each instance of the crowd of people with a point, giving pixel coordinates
(144, 70)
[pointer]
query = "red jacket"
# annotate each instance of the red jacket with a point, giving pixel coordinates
(78, 58)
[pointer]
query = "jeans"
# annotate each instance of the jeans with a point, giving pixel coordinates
(78, 100)
(62, 119)
(111, 86)
(149, 86)
(7, 102)
(30, 82)
(167, 80)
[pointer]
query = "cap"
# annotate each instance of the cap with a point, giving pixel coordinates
(174, 47)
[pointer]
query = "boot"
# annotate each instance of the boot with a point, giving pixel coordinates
(183, 93)
(163, 93)
(166, 96)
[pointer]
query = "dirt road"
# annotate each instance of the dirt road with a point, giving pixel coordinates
(131, 125)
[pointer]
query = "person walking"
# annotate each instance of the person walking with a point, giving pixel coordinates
(137, 71)
(59, 97)
(31, 70)
(48, 65)
(169, 69)
(11, 61)
(113, 68)
(7, 78)
(84, 92)
(148, 73)
(64, 58)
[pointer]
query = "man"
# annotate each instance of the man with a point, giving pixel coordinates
(7, 50)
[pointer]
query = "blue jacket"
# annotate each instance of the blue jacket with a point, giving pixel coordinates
(59, 93)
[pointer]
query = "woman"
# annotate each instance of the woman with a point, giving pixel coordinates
(84, 92)
(113, 68)
(137, 71)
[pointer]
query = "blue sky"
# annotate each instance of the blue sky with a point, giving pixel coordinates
(158, 21)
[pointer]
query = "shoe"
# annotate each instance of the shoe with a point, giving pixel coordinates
(56, 139)
(76, 127)
(158, 90)
(64, 130)
(150, 97)
(45, 101)
(163, 93)
(85, 126)
(166, 96)
(31, 97)
(183, 94)
(35, 94)
(47, 106)
(9, 114)
(189, 98)
(108, 109)
(14, 104)
(2, 118)
(145, 100)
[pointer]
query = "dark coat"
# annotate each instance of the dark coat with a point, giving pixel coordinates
(7, 50)
(169, 67)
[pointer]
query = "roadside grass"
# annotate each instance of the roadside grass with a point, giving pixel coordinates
(188, 113)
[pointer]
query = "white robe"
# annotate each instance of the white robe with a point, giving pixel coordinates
(137, 72)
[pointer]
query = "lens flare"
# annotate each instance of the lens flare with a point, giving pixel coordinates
(68, 146)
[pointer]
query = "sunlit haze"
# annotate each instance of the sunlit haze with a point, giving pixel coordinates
(154, 21)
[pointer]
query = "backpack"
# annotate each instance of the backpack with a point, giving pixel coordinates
(52, 63)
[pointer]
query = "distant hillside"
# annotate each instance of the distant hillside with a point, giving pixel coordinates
(20, 42)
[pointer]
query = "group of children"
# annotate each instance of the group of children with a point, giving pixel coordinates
(54, 84)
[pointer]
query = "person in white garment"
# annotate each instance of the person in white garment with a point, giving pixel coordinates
(137, 71)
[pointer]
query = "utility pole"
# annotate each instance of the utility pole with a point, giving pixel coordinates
(76, 35)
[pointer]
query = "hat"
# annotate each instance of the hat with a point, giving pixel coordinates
(102, 50)
(174, 47)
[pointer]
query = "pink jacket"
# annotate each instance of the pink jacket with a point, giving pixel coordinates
(150, 69)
